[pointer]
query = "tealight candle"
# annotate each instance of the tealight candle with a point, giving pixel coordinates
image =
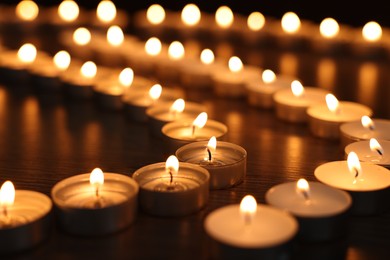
(95, 203)
(367, 183)
(172, 188)
(179, 133)
(167, 67)
(321, 210)
(66, 15)
(165, 112)
(291, 104)
(364, 129)
(325, 120)
(226, 162)
(152, 21)
(223, 21)
(373, 151)
(25, 218)
(106, 14)
(80, 85)
(251, 230)
(260, 93)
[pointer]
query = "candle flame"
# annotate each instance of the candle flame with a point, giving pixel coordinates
(155, 92)
(177, 106)
(375, 146)
(172, 165)
(224, 17)
(82, 36)
(367, 123)
(201, 120)
(126, 77)
(96, 178)
(27, 10)
(212, 144)
(207, 56)
(27, 53)
(153, 46)
(329, 28)
(7, 194)
(62, 60)
(297, 88)
(248, 208)
(68, 10)
(176, 50)
(256, 21)
(332, 103)
(115, 36)
(268, 76)
(190, 15)
(106, 11)
(372, 31)
(88, 70)
(235, 64)
(291, 23)
(155, 14)
(354, 165)
(303, 188)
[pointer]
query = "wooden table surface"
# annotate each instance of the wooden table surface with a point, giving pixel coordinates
(44, 139)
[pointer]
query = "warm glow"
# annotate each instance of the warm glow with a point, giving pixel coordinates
(256, 21)
(88, 70)
(68, 10)
(201, 120)
(106, 11)
(177, 106)
(27, 53)
(155, 14)
(176, 50)
(153, 46)
(290, 22)
(27, 10)
(375, 146)
(212, 144)
(96, 177)
(235, 64)
(81, 36)
(115, 36)
(155, 92)
(62, 60)
(207, 56)
(224, 17)
(297, 89)
(367, 123)
(332, 103)
(7, 194)
(372, 31)
(190, 15)
(303, 188)
(172, 165)
(329, 28)
(268, 76)
(354, 165)
(126, 77)
(248, 208)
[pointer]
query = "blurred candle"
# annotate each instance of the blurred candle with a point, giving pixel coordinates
(68, 11)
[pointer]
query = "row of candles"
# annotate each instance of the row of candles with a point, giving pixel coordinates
(100, 203)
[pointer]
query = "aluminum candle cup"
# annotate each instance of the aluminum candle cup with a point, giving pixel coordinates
(321, 216)
(369, 193)
(267, 236)
(355, 131)
(81, 212)
(366, 154)
(227, 166)
(28, 223)
(187, 193)
(160, 114)
(326, 124)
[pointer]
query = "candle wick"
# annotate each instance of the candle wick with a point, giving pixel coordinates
(193, 130)
(356, 173)
(380, 152)
(371, 127)
(5, 212)
(209, 153)
(97, 191)
(171, 178)
(306, 195)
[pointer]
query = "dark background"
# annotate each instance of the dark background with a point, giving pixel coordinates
(355, 13)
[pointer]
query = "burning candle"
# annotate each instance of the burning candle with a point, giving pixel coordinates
(321, 210)
(25, 218)
(95, 203)
(251, 230)
(27, 10)
(172, 188)
(167, 67)
(370, 42)
(373, 151)
(367, 183)
(325, 120)
(80, 85)
(107, 14)
(226, 162)
(291, 104)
